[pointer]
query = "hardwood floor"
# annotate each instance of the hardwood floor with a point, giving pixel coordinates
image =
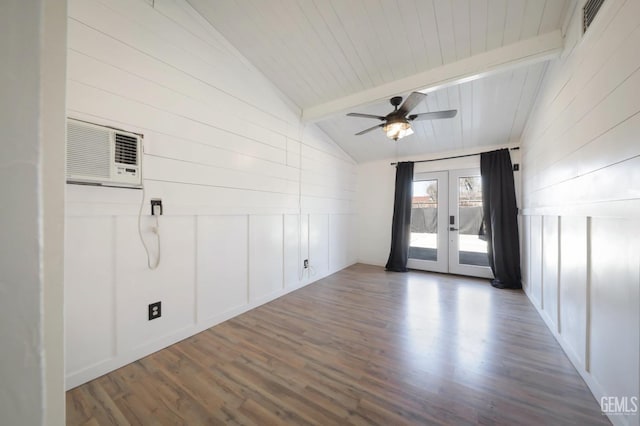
(362, 346)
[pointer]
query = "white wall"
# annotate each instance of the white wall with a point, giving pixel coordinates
(581, 175)
(32, 45)
(248, 192)
(375, 192)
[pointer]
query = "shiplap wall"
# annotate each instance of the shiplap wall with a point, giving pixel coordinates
(248, 192)
(581, 174)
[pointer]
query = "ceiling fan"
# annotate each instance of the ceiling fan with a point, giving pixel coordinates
(397, 124)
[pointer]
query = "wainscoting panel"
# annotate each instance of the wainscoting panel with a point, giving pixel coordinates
(593, 265)
(550, 264)
(535, 266)
(525, 249)
(296, 250)
(573, 284)
(615, 305)
(172, 283)
(88, 291)
(222, 265)
(265, 256)
(338, 251)
(319, 245)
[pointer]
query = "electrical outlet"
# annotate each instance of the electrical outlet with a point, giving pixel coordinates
(306, 263)
(156, 206)
(155, 310)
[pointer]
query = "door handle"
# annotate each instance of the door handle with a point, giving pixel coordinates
(453, 229)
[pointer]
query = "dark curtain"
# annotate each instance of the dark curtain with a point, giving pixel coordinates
(501, 218)
(401, 226)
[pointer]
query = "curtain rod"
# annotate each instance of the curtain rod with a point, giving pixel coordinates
(455, 156)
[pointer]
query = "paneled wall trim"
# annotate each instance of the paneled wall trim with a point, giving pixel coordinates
(581, 203)
(583, 276)
(248, 191)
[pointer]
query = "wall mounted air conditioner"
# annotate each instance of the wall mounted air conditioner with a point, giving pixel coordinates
(98, 155)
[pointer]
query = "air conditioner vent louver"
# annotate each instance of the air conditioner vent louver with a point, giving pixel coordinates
(126, 149)
(589, 12)
(99, 155)
(87, 151)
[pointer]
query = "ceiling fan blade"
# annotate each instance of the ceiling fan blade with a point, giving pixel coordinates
(369, 129)
(411, 102)
(357, 114)
(433, 115)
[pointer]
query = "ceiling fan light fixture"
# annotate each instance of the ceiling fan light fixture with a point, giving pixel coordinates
(397, 129)
(397, 124)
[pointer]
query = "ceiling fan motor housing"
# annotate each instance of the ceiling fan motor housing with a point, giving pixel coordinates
(396, 124)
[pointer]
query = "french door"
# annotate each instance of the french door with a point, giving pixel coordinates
(446, 219)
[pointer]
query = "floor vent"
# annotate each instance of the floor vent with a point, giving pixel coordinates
(589, 12)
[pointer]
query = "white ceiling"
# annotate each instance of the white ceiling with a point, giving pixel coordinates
(336, 56)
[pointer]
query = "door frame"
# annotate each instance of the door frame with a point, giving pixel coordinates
(447, 237)
(455, 267)
(441, 264)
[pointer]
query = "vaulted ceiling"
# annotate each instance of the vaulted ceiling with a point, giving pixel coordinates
(485, 58)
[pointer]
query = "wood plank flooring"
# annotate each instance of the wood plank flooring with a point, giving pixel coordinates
(361, 347)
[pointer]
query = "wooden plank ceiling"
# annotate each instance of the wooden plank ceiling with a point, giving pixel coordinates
(334, 56)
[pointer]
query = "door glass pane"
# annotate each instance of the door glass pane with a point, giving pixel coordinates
(424, 221)
(471, 242)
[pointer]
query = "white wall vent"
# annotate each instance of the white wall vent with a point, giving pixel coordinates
(98, 155)
(589, 12)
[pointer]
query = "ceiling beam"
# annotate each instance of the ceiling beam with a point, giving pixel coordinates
(526, 52)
